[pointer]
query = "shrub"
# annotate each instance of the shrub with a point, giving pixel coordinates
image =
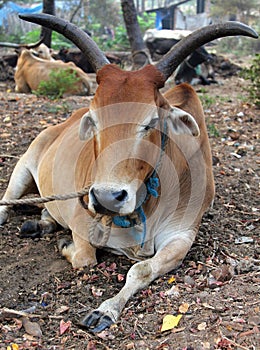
(60, 81)
(253, 74)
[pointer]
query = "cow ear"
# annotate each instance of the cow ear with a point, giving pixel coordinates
(87, 127)
(182, 122)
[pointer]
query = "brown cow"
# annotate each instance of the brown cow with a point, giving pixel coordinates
(38, 48)
(31, 70)
(145, 158)
(43, 51)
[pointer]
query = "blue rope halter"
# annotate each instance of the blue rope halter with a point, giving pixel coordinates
(152, 185)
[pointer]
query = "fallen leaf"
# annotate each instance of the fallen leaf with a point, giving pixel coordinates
(189, 281)
(13, 346)
(171, 280)
(183, 308)
(96, 292)
(170, 321)
(31, 328)
(223, 273)
(61, 309)
(102, 265)
(112, 267)
(174, 291)
(120, 277)
(106, 334)
(64, 326)
(91, 345)
(208, 306)
(206, 345)
(202, 326)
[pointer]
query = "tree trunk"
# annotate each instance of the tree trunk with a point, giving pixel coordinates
(49, 8)
(140, 54)
(76, 10)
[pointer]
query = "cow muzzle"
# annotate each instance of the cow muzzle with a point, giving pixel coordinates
(114, 201)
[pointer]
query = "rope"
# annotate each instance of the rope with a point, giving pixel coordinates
(122, 221)
(58, 197)
(151, 186)
(106, 233)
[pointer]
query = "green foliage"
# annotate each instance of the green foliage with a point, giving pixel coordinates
(207, 100)
(60, 81)
(146, 21)
(58, 40)
(253, 75)
(11, 38)
(63, 107)
(212, 130)
(120, 41)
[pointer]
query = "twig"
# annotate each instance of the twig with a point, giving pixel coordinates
(246, 212)
(10, 313)
(58, 317)
(208, 265)
(8, 156)
(236, 344)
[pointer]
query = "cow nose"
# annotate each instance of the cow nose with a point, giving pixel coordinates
(107, 201)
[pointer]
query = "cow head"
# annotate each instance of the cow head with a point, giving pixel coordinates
(128, 131)
(42, 51)
(128, 117)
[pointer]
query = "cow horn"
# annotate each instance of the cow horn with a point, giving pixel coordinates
(187, 45)
(89, 48)
(26, 46)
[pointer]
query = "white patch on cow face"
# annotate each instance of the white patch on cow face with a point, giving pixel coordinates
(103, 195)
(182, 123)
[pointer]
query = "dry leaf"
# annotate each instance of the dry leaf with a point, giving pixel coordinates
(120, 277)
(31, 328)
(202, 326)
(208, 306)
(171, 280)
(92, 345)
(96, 292)
(183, 308)
(64, 326)
(61, 309)
(174, 291)
(170, 321)
(13, 346)
(112, 267)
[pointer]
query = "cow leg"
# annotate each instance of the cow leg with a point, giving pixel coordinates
(21, 183)
(139, 276)
(38, 228)
(78, 252)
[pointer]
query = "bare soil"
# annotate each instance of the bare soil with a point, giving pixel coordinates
(216, 289)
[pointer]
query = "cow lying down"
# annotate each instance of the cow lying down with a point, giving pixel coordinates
(145, 158)
(31, 70)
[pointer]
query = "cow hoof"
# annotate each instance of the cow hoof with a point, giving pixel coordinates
(64, 243)
(30, 229)
(96, 322)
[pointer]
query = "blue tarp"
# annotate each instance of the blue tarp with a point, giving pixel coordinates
(10, 8)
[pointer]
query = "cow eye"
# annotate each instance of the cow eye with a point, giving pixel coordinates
(152, 124)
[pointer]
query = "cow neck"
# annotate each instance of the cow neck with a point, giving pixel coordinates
(152, 184)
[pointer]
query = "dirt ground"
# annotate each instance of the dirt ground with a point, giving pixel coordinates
(216, 289)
